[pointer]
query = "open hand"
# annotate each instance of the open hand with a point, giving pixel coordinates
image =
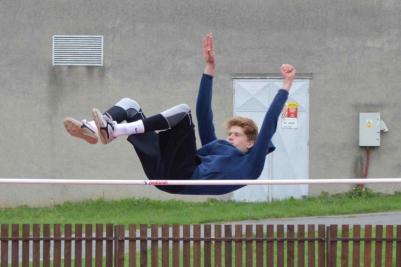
(208, 49)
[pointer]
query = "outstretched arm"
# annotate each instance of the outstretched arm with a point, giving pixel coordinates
(269, 124)
(204, 112)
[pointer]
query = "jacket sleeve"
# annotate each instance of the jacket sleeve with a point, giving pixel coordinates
(263, 144)
(204, 112)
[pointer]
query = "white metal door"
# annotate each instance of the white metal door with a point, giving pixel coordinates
(290, 160)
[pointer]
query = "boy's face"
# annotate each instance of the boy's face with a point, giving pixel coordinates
(238, 138)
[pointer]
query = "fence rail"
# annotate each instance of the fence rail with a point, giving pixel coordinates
(199, 245)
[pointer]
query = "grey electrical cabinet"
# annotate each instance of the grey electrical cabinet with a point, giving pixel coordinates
(369, 129)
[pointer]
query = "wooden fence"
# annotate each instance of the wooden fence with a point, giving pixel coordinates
(199, 245)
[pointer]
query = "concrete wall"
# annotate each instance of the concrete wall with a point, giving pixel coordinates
(153, 54)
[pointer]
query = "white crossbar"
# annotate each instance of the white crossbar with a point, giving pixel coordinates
(199, 182)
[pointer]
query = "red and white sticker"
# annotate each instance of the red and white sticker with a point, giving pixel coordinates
(290, 116)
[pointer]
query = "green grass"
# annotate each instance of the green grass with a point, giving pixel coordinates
(145, 211)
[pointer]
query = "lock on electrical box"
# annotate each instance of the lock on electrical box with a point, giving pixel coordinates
(369, 129)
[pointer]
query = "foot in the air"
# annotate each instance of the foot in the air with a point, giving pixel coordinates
(81, 129)
(105, 124)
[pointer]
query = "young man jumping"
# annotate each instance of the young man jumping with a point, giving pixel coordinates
(165, 143)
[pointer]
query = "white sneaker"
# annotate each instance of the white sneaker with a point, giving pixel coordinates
(81, 129)
(105, 125)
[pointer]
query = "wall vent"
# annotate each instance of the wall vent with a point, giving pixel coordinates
(77, 50)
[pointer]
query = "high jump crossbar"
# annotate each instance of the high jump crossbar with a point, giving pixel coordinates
(198, 182)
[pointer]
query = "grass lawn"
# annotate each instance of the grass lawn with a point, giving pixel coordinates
(145, 211)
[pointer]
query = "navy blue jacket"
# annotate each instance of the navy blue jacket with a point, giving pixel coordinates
(219, 159)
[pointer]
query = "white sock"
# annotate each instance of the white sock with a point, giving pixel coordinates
(129, 128)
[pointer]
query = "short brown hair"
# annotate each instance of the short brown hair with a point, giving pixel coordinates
(249, 126)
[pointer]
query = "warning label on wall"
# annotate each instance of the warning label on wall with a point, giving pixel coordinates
(290, 115)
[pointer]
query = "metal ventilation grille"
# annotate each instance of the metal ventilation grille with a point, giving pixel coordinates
(78, 50)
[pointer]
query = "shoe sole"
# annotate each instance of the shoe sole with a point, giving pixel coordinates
(97, 117)
(73, 127)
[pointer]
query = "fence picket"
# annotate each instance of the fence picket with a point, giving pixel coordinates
(154, 245)
(332, 246)
(165, 245)
(36, 245)
(238, 245)
(290, 245)
(46, 245)
(144, 245)
(368, 246)
(259, 245)
(120, 246)
(311, 245)
(228, 245)
(217, 245)
(132, 245)
(344, 245)
(25, 245)
(88, 245)
(356, 248)
(14, 245)
(186, 257)
(109, 244)
(78, 245)
(378, 245)
(207, 258)
(321, 260)
(57, 245)
(398, 246)
(197, 247)
(4, 245)
(176, 245)
(389, 246)
(280, 245)
(270, 245)
(301, 245)
(99, 245)
(67, 245)
(249, 245)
